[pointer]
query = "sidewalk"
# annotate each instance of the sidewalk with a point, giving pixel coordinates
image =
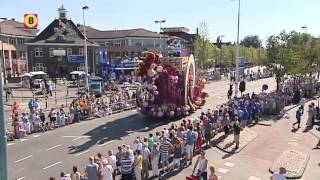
(226, 144)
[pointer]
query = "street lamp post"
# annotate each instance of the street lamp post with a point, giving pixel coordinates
(3, 136)
(85, 47)
(237, 52)
(160, 22)
(306, 28)
(220, 46)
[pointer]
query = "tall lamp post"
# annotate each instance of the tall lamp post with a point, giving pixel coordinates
(306, 28)
(3, 136)
(219, 39)
(3, 63)
(160, 22)
(85, 48)
(237, 51)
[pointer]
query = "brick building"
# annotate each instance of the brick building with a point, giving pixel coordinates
(13, 37)
(50, 51)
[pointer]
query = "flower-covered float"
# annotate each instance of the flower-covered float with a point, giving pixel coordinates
(170, 87)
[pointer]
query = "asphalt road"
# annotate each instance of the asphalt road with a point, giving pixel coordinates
(40, 156)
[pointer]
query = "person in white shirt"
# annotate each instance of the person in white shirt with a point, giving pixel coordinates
(106, 172)
(112, 160)
(279, 175)
(137, 145)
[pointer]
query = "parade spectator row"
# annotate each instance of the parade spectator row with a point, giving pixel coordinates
(82, 108)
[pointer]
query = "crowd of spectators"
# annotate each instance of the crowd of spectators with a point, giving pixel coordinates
(36, 119)
(174, 147)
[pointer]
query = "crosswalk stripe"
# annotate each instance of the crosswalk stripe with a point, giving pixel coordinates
(222, 170)
(229, 164)
(253, 178)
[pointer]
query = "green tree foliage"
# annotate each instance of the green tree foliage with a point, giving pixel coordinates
(204, 50)
(251, 41)
(293, 54)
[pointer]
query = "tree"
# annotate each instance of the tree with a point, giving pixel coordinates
(251, 41)
(203, 48)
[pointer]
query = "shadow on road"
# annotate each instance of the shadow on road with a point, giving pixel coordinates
(117, 129)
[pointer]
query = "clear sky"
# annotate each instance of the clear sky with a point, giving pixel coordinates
(258, 17)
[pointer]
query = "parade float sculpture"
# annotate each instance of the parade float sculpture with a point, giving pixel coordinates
(170, 87)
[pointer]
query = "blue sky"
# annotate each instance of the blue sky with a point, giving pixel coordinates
(260, 17)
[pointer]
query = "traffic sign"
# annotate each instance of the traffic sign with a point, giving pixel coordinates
(31, 21)
(76, 58)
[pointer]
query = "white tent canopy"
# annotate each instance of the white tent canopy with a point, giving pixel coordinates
(33, 73)
(78, 73)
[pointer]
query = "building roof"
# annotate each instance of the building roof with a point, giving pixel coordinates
(15, 28)
(175, 29)
(140, 32)
(61, 31)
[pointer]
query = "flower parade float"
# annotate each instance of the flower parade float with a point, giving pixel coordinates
(169, 86)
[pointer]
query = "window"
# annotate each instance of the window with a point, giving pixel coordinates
(51, 52)
(21, 41)
(69, 51)
(13, 41)
(22, 55)
(14, 54)
(117, 43)
(39, 67)
(80, 51)
(38, 52)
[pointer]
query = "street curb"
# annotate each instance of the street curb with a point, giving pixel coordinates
(301, 171)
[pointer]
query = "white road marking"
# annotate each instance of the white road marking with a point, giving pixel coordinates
(106, 143)
(74, 136)
(293, 143)
(21, 178)
(83, 152)
(36, 135)
(23, 159)
(80, 138)
(253, 178)
(9, 144)
(222, 170)
(54, 147)
(229, 164)
(54, 164)
(295, 137)
(24, 140)
(293, 140)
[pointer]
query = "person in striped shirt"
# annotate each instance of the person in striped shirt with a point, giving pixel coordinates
(164, 153)
(126, 166)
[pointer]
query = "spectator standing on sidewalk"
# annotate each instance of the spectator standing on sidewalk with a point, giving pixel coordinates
(75, 175)
(213, 175)
(92, 170)
(190, 141)
(146, 161)
(236, 133)
(112, 160)
(155, 155)
(202, 161)
(164, 153)
(126, 166)
(138, 160)
(298, 117)
(280, 175)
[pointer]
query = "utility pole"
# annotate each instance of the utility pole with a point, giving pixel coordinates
(237, 52)
(3, 136)
(85, 48)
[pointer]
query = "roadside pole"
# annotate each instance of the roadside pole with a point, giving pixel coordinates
(3, 137)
